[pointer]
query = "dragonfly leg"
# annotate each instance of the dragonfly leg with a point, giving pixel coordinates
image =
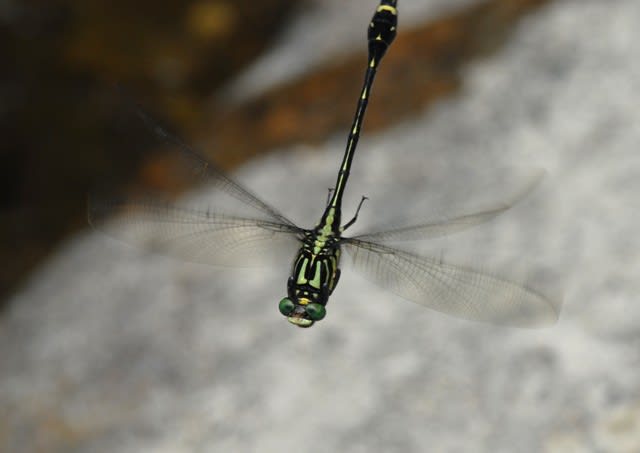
(355, 217)
(290, 287)
(329, 195)
(336, 280)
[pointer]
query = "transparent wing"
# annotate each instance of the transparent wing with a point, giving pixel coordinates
(456, 290)
(193, 235)
(210, 235)
(453, 225)
(200, 167)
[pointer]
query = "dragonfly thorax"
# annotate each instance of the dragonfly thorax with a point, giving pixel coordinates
(313, 279)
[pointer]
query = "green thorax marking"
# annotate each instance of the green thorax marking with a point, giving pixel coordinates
(316, 270)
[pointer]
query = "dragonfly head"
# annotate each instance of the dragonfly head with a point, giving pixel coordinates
(302, 312)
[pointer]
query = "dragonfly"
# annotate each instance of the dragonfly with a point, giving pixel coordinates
(217, 237)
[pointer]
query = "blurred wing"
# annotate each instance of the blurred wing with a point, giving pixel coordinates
(434, 229)
(455, 290)
(202, 168)
(452, 225)
(192, 235)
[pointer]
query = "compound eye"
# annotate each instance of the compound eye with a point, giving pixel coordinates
(315, 311)
(286, 306)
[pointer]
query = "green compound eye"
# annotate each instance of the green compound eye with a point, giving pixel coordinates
(316, 311)
(286, 306)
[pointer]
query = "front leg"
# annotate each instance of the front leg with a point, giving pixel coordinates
(355, 217)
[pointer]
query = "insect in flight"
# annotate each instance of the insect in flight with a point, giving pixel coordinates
(211, 236)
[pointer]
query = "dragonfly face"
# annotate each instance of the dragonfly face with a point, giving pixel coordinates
(312, 281)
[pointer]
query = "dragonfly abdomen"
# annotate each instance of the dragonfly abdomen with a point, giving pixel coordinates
(382, 29)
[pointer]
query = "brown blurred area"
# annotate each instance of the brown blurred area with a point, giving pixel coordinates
(59, 109)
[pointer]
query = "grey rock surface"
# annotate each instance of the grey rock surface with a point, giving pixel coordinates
(110, 348)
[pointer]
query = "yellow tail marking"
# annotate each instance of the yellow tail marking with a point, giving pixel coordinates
(389, 8)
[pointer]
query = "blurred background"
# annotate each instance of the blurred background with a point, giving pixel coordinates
(179, 58)
(108, 348)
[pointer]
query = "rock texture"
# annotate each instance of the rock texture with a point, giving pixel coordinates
(112, 349)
